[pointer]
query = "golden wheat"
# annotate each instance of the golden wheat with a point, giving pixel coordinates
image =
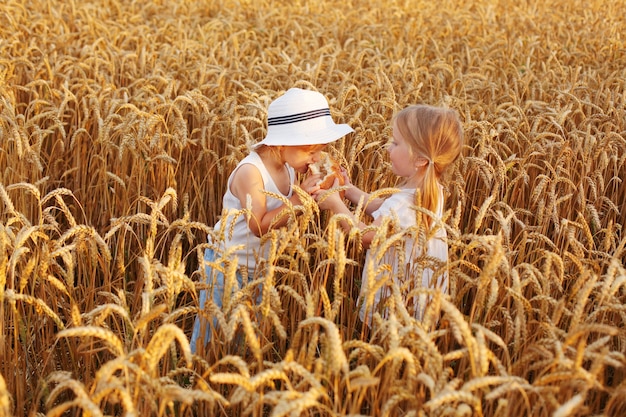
(121, 122)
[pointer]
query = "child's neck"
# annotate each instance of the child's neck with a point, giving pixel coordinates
(272, 159)
(413, 182)
(276, 167)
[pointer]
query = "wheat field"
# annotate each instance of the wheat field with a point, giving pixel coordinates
(121, 120)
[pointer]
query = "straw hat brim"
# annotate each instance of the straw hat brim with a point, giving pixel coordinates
(300, 118)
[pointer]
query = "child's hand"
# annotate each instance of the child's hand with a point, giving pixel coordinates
(346, 177)
(329, 199)
(310, 184)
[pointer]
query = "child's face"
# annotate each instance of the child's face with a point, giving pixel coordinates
(402, 163)
(299, 158)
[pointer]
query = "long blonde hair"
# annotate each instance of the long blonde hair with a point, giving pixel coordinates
(434, 133)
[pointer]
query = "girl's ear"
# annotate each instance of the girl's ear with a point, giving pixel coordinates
(421, 162)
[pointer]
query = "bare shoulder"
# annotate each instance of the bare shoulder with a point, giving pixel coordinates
(245, 178)
(246, 171)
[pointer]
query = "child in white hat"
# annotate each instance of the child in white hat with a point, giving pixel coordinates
(299, 126)
(426, 141)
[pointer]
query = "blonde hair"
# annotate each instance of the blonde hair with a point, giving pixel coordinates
(434, 133)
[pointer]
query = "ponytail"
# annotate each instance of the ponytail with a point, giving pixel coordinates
(430, 193)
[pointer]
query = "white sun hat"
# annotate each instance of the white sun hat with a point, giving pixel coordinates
(301, 117)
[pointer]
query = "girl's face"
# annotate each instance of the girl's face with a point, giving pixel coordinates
(402, 164)
(299, 158)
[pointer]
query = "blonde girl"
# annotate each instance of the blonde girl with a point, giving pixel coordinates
(426, 140)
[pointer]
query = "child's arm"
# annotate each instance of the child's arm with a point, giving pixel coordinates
(247, 185)
(355, 194)
(334, 203)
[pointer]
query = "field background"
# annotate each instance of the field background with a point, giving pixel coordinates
(120, 121)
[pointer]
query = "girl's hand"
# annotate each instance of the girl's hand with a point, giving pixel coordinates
(346, 177)
(352, 193)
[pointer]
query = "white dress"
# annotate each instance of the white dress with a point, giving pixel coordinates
(240, 234)
(409, 270)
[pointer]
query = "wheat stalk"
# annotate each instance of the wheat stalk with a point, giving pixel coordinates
(112, 341)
